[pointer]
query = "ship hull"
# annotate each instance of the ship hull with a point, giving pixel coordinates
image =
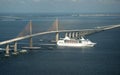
(75, 42)
(76, 45)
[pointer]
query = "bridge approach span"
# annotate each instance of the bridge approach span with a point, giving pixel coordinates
(42, 33)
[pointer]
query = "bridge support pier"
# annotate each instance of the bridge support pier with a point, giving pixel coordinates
(57, 33)
(70, 35)
(76, 34)
(57, 36)
(73, 35)
(15, 49)
(66, 34)
(31, 42)
(7, 50)
(81, 34)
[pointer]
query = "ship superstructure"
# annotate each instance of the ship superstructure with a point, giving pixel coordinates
(70, 42)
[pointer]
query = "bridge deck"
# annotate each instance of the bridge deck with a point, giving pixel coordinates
(86, 31)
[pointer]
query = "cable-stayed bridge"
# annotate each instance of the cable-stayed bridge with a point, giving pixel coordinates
(53, 29)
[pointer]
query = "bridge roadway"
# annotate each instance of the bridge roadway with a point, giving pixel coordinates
(89, 31)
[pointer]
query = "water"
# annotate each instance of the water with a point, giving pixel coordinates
(103, 59)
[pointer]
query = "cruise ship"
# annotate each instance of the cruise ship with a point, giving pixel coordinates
(70, 42)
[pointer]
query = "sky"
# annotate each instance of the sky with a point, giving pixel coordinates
(74, 6)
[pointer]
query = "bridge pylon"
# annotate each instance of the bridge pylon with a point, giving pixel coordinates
(76, 34)
(7, 50)
(15, 48)
(70, 35)
(57, 33)
(73, 35)
(31, 41)
(66, 34)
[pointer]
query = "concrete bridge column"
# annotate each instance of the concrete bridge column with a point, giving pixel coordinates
(31, 42)
(76, 34)
(73, 35)
(70, 35)
(15, 49)
(66, 34)
(7, 50)
(81, 34)
(85, 33)
(57, 28)
(57, 36)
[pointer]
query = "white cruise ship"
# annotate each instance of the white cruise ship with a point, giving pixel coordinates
(75, 42)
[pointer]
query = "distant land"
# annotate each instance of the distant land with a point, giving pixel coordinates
(96, 15)
(22, 16)
(59, 14)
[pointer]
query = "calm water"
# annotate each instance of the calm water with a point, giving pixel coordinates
(103, 59)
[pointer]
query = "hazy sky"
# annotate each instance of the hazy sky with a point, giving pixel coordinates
(82, 6)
